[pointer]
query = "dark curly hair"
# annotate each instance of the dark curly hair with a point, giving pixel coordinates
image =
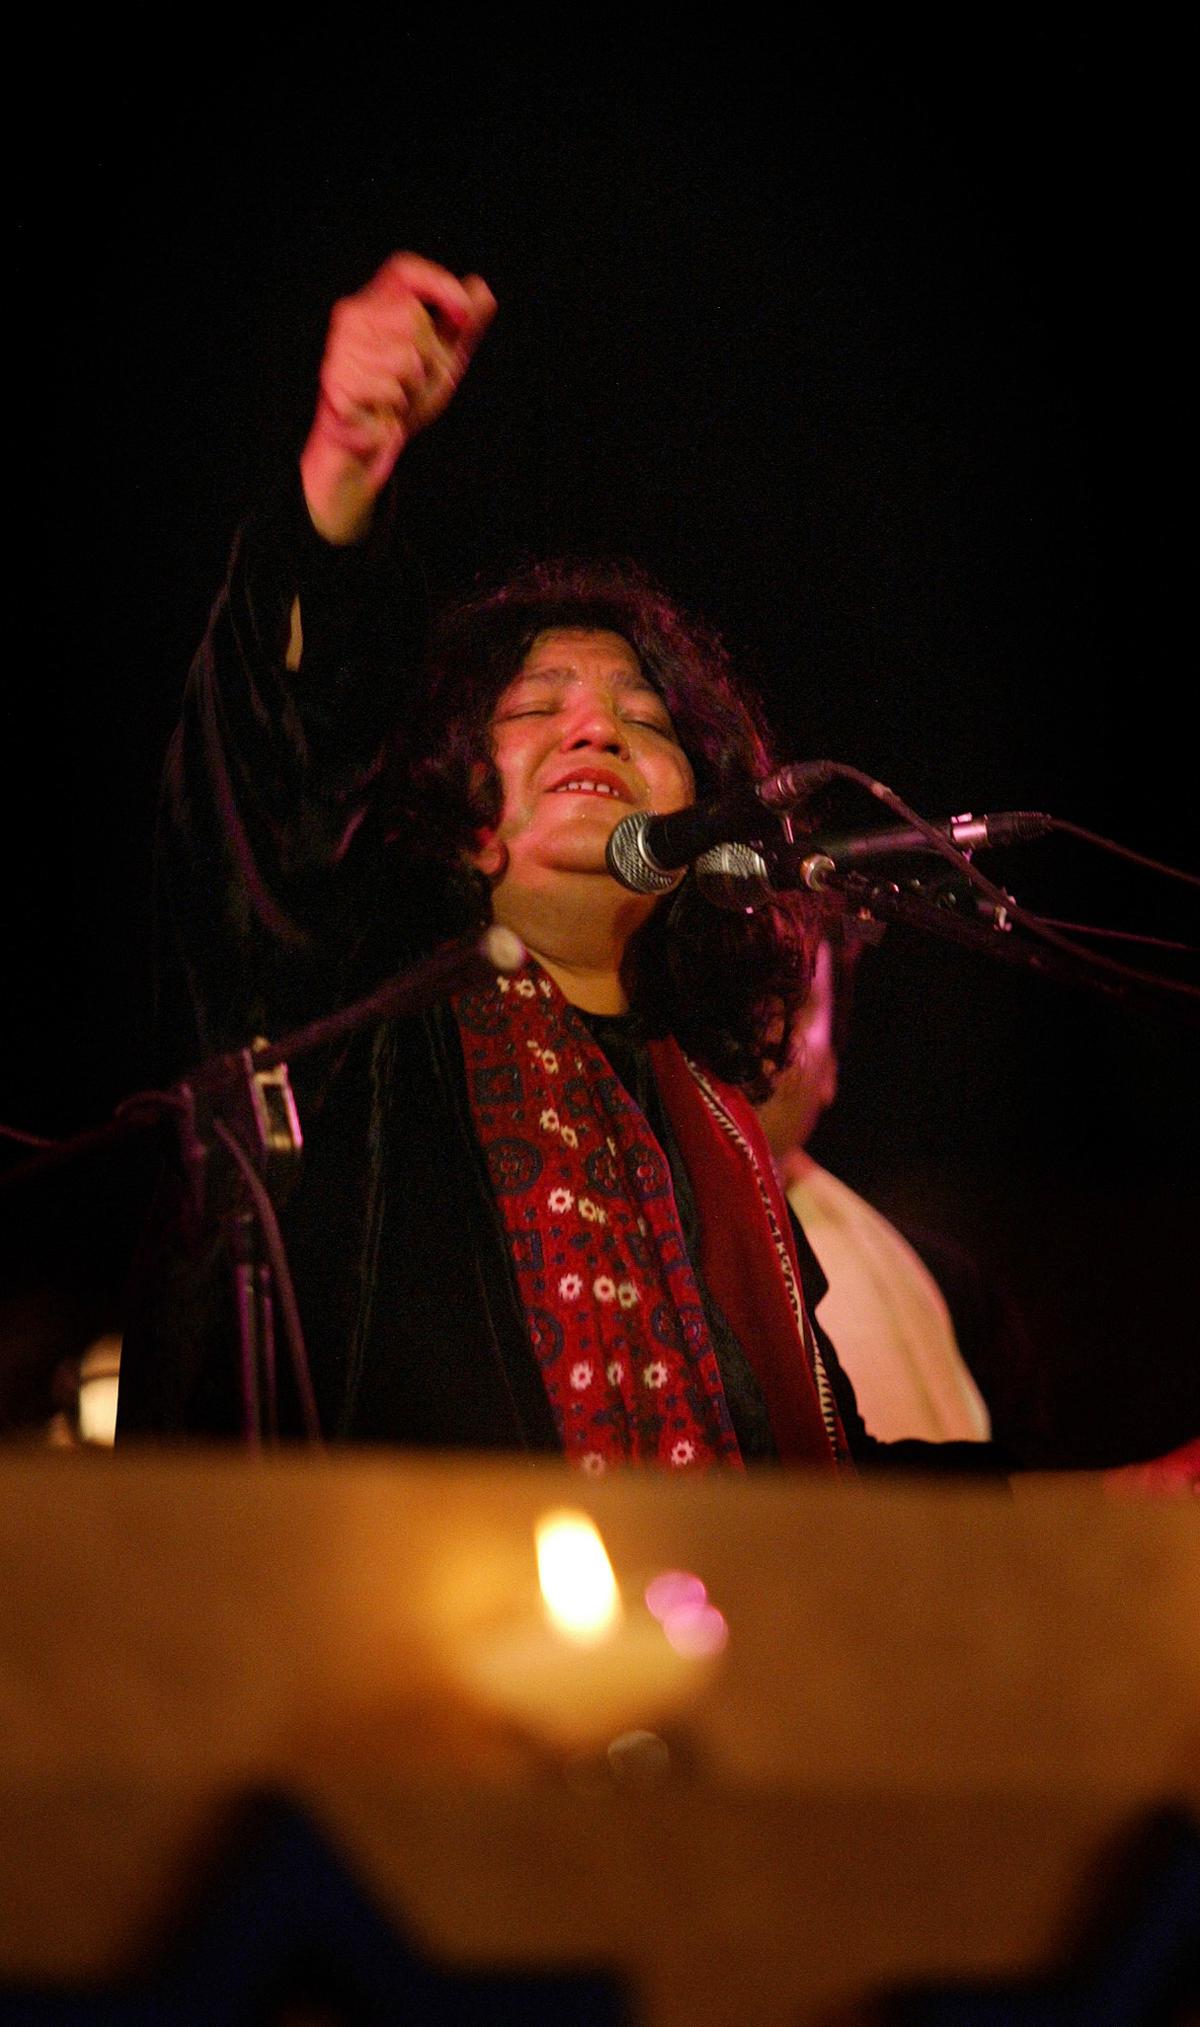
(715, 979)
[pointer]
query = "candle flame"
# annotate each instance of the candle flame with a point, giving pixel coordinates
(579, 1590)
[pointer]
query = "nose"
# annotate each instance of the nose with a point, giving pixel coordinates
(595, 725)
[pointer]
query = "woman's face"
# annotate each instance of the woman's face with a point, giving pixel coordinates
(580, 738)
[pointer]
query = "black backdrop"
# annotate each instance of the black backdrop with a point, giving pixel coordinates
(866, 346)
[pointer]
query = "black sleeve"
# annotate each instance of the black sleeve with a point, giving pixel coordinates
(264, 839)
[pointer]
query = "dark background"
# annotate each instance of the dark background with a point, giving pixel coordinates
(868, 346)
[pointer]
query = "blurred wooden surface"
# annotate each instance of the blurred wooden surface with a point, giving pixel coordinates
(940, 1712)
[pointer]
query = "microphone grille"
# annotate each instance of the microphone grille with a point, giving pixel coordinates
(626, 859)
(733, 876)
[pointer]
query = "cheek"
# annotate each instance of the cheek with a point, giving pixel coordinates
(676, 781)
(509, 776)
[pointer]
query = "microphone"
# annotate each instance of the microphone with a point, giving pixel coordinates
(646, 853)
(820, 855)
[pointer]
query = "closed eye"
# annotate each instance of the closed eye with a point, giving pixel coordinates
(652, 725)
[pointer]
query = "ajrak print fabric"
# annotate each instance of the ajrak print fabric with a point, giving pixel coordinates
(747, 1255)
(585, 1196)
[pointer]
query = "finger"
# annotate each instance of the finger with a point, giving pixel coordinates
(367, 350)
(483, 309)
(365, 390)
(367, 434)
(440, 383)
(409, 274)
(467, 340)
(365, 363)
(365, 325)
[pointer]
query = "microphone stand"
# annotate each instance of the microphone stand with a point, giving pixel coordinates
(856, 896)
(242, 1102)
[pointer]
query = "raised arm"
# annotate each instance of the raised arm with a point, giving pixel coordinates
(265, 849)
(395, 353)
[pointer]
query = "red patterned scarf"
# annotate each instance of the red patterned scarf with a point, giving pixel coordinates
(610, 1299)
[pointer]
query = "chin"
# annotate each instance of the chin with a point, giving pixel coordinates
(581, 839)
(579, 858)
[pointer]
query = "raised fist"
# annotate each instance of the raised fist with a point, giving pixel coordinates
(394, 355)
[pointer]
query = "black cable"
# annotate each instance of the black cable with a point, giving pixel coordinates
(1003, 901)
(277, 1252)
(1121, 935)
(24, 1139)
(1075, 830)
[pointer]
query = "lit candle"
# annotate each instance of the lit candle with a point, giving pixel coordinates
(587, 1668)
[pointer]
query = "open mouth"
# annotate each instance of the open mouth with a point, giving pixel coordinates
(588, 788)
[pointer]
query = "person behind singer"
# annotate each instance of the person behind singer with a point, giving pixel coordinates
(883, 1307)
(542, 1217)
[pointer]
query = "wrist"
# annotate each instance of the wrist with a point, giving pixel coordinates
(339, 492)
